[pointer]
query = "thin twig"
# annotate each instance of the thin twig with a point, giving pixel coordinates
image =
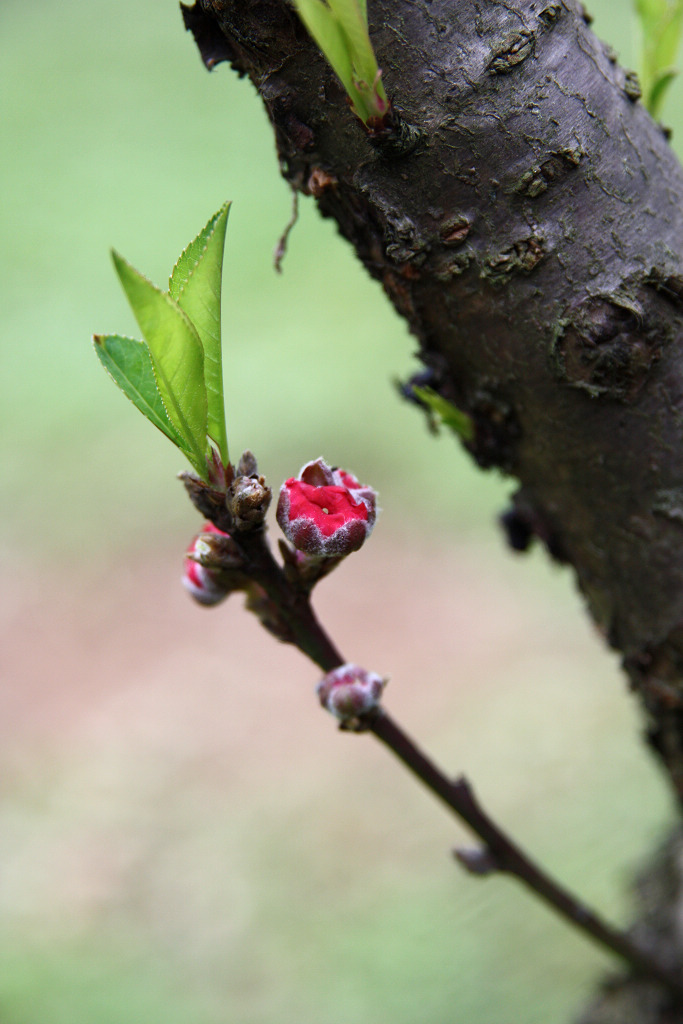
(508, 857)
(293, 605)
(459, 796)
(502, 854)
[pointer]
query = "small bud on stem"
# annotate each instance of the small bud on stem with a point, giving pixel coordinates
(477, 860)
(247, 501)
(350, 692)
(213, 566)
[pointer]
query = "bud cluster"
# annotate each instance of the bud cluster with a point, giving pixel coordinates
(325, 513)
(239, 503)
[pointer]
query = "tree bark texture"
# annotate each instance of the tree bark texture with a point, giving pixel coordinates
(525, 216)
(658, 892)
(527, 222)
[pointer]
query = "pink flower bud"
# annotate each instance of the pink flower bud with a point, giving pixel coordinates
(326, 512)
(350, 691)
(201, 582)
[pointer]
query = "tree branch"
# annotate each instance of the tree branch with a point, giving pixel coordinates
(532, 240)
(506, 856)
(281, 599)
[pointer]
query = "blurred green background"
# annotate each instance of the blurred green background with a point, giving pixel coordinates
(183, 836)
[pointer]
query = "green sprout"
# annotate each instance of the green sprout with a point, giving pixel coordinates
(448, 414)
(340, 28)
(174, 377)
(661, 26)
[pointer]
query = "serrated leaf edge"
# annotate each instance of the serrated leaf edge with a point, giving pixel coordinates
(172, 434)
(209, 230)
(198, 456)
(211, 221)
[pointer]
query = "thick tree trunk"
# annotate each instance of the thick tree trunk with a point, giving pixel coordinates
(633, 1000)
(530, 229)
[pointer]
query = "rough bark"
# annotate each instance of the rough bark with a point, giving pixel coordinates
(633, 1000)
(526, 218)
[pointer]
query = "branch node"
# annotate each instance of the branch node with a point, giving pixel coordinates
(395, 137)
(477, 860)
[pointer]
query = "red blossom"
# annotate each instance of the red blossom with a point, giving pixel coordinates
(326, 512)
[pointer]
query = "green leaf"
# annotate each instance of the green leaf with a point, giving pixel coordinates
(340, 29)
(177, 358)
(129, 364)
(452, 417)
(658, 89)
(195, 285)
(327, 33)
(661, 28)
(354, 26)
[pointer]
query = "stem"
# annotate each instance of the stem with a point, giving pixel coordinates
(508, 857)
(293, 605)
(458, 795)
(294, 608)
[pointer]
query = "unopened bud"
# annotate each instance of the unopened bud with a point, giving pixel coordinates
(202, 585)
(349, 692)
(217, 550)
(326, 512)
(247, 466)
(478, 860)
(248, 501)
(212, 566)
